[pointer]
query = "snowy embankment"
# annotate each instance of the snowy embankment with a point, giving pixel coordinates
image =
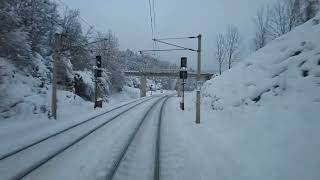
(260, 120)
(25, 104)
(27, 98)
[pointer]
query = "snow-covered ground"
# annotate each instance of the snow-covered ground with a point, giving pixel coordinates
(26, 99)
(70, 107)
(16, 132)
(248, 143)
(25, 107)
(93, 157)
(93, 152)
(260, 120)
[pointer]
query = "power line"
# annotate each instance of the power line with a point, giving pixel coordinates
(154, 18)
(80, 17)
(91, 27)
(177, 38)
(154, 23)
(170, 44)
(161, 50)
(151, 23)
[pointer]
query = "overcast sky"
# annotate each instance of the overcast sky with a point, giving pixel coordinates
(130, 21)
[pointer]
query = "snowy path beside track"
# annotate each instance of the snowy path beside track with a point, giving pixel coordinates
(238, 145)
(190, 151)
(14, 135)
(17, 164)
(139, 160)
(93, 157)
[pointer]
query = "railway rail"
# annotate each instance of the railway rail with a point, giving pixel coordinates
(21, 173)
(139, 128)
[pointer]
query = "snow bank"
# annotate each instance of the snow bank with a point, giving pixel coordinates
(287, 69)
(20, 92)
(264, 112)
(126, 94)
(26, 96)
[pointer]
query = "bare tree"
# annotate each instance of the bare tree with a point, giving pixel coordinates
(311, 8)
(13, 41)
(279, 20)
(287, 14)
(108, 48)
(262, 23)
(220, 51)
(294, 14)
(232, 39)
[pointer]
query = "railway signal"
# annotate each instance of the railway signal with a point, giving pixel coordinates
(98, 74)
(98, 64)
(181, 48)
(183, 76)
(198, 104)
(183, 62)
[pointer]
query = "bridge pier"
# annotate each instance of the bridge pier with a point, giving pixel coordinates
(143, 86)
(164, 73)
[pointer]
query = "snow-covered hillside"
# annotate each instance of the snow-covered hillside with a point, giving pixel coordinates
(26, 96)
(287, 67)
(265, 111)
(21, 90)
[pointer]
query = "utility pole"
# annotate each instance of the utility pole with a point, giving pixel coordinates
(95, 89)
(183, 83)
(56, 58)
(143, 79)
(198, 81)
(181, 48)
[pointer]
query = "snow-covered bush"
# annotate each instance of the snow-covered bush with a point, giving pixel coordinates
(84, 84)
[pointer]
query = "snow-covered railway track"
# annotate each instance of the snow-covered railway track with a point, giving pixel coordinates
(158, 144)
(145, 140)
(24, 160)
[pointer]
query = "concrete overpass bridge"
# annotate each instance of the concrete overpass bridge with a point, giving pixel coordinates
(162, 73)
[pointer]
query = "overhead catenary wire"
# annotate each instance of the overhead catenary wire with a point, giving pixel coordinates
(178, 46)
(80, 46)
(154, 23)
(160, 50)
(177, 38)
(80, 17)
(151, 23)
(154, 18)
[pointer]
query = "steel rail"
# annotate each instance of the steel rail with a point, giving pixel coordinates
(38, 164)
(157, 162)
(18, 150)
(121, 156)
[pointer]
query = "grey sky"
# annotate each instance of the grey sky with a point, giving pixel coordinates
(130, 21)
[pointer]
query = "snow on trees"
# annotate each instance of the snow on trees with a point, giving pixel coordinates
(232, 45)
(220, 51)
(281, 17)
(262, 23)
